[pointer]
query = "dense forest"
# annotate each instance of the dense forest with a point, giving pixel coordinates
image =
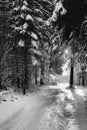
(33, 36)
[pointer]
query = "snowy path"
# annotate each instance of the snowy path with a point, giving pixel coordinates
(29, 116)
(51, 108)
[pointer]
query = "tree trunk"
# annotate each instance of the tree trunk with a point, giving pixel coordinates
(83, 81)
(18, 82)
(42, 74)
(71, 73)
(15, 69)
(26, 70)
(36, 75)
(47, 71)
(18, 53)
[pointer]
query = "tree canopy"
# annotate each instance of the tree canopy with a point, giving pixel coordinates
(35, 34)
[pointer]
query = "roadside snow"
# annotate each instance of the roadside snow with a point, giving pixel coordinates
(10, 104)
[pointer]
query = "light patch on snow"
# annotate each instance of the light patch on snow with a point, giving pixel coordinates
(70, 95)
(69, 107)
(21, 43)
(62, 97)
(60, 86)
(68, 92)
(29, 17)
(63, 87)
(33, 35)
(80, 92)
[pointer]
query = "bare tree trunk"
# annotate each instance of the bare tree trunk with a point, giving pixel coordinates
(83, 81)
(36, 75)
(26, 70)
(71, 73)
(18, 82)
(18, 53)
(15, 70)
(47, 71)
(42, 74)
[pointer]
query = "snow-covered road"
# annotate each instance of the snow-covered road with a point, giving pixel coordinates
(51, 108)
(29, 116)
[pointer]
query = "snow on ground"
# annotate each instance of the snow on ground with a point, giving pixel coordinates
(74, 105)
(81, 91)
(53, 107)
(62, 113)
(53, 119)
(10, 103)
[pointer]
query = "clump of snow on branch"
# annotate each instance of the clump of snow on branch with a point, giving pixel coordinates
(24, 8)
(59, 10)
(25, 25)
(34, 61)
(21, 43)
(33, 35)
(34, 44)
(22, 16)
(40, 19)
(29, 17)
(25, 2)
(16, 8)
(38, 11)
